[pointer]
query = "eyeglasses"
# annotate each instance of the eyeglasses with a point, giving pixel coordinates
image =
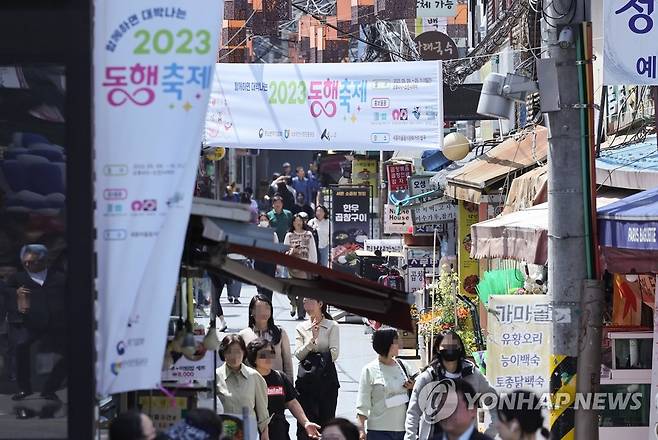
(266, 354)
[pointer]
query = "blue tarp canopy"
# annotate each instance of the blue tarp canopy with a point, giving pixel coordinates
(628, 233)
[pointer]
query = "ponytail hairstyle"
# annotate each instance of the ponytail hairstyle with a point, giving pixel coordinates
(325, 313)
(524, 407)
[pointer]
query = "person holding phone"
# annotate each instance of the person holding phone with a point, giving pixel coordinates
(384, 390)
(36, 309)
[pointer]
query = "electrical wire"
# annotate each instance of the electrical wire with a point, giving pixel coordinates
(324, 21)
(225, 45)
(239, 46)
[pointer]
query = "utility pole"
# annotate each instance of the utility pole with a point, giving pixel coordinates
(576, 297)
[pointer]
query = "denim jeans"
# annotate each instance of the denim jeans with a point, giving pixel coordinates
(324, 256)
(385, 435)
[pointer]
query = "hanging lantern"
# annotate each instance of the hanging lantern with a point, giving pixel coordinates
(455, 146)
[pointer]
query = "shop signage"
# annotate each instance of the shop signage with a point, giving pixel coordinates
(469, 268)
(436, 8)
(185, 371)
(435, 212)
(364, 173)
(358, 106)
(384, 245)
(398, 174)
(434, 45)
(350, 224)
(519, 342)
(164, 411)
(153, 70)
(396, 224)
(419, 264)
(631, 51)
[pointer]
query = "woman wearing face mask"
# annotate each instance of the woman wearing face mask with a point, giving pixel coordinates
(261, 325)
(524, 421)
(281, 393)
(321, 224)
(302, 245)
(317, 341)
(263, 266)
(384, 390)
(239, 386)
(448, 362)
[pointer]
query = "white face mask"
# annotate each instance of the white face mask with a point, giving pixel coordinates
(263, 224)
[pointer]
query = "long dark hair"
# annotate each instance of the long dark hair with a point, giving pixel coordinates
(323, 309)
(436, 354)
(273, 329)
(529, 418)
(292, 223)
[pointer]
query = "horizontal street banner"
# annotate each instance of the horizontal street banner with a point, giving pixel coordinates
(363, 106)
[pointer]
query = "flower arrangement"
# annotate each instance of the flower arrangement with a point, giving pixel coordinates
(446, 313)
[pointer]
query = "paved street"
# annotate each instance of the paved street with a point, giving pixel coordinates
(355, 348)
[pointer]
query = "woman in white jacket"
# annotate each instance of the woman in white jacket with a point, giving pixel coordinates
(302, 245)
(321, 225)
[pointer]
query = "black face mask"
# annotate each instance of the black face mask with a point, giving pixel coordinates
(450, 354)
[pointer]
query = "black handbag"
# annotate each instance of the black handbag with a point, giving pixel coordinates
(314, 370)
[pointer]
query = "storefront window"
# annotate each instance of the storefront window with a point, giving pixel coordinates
(34, 313)
(633, 354)
(623, 405)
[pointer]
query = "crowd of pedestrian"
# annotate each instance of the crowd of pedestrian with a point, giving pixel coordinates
(297, 220)
(257, 375)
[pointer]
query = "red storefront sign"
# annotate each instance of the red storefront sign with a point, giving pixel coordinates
(398, 176)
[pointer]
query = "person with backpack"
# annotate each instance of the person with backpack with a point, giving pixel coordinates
(384, 390)
(281, 393)
(261, 325)
(448, 362)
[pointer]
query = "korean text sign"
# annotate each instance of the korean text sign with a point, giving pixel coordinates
(350, 224)
(469, 269)
(153, 70)
(519, 342)
(630, 42)
(365, 106)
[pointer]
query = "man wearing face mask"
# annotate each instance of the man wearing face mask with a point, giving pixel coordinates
(264, 266)
(448, 362)
(36, 305)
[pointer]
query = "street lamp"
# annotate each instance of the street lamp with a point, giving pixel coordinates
(455, 146)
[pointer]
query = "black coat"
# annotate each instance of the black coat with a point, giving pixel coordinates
(47, 303)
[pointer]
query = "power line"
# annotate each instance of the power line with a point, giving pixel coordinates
(324, 21)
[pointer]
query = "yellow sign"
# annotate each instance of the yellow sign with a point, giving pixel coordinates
(364, 172)
(469, 268)
(519, 342)
(164, 411)
(216, 154)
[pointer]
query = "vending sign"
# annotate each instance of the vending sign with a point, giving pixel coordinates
(350, 224)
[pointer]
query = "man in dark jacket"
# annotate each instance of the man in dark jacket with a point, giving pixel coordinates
(462, 424)
(35, 300)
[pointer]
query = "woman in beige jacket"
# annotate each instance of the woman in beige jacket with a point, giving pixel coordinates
(319, 335)
(261, 325)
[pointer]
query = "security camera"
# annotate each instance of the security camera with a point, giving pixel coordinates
(565, 40)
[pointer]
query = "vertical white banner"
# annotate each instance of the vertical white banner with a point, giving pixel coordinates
(153, 70)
